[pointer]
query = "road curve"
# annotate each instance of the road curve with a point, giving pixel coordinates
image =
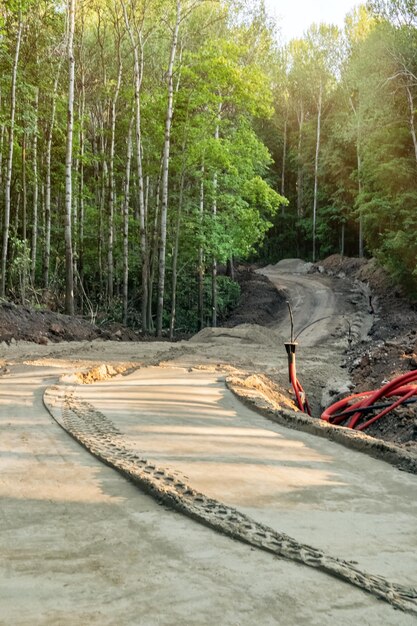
(81, 545)
(313, 299)
(292, 482)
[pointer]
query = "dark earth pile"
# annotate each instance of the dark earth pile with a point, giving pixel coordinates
(43, 326)
(393, 349)
(396, 315)
(380, 363)
(259, 303)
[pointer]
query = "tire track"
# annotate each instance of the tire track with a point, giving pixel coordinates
(99, 436)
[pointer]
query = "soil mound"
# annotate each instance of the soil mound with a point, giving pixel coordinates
(336, 263)
(365, 270)
(395, 313)
(19, 323)
(291, 266)
(260, 303)
(244, 333)
(393, 349)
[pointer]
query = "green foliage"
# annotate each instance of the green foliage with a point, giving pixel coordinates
(244, 133)
(368, 151)
(397, 253)
(228, 294)
(20, 267)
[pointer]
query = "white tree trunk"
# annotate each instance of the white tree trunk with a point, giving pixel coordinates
(102, 201)
(80, 219)
(284, 158)
(175, 261)
(300, 209)
(1, 170)
(411, 108)
(1, 160)
(112, 185)
(35, 193)
(201, 257)
(9, 169)
(24, 188)
(359, 165)
(137, 47)
(342, 240)
(69, 269)
(359, 168)
(214, 213)
(165, 173)
(126, 224)
(316, 168)
(47, 247)
(153, 251)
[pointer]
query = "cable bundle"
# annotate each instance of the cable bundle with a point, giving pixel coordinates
(398, 391)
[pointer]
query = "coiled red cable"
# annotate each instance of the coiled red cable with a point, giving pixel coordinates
(343, 410)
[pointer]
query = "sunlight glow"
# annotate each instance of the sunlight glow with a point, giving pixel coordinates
(25, 478)
(295, 17)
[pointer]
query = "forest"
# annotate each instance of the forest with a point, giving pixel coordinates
(147, 146)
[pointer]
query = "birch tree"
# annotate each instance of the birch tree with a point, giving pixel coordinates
(126, 201)
(358, 25)
(214, 215)
(134, 20)
(112, 187)
(298, 85)
(9, 165)
(69, 268)
(35, 191)
(324, 43)
(48, 185)
(165, 170)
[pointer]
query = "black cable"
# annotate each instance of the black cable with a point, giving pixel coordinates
(369, 409)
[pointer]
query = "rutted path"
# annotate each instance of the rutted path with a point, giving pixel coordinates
(313, 298)
(186, 418)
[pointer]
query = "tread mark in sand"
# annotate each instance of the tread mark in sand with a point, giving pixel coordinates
(100, 436)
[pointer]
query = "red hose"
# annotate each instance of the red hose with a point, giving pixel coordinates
(399, 388)
(300, 395)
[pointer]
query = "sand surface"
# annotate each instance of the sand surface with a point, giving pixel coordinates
(80, 545)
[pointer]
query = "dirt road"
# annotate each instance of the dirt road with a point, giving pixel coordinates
(80, 545)
(291, 481)
(321, 314)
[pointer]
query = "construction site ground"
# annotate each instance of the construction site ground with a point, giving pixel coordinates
(82, 545)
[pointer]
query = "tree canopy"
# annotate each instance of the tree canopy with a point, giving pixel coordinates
(153, 142)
